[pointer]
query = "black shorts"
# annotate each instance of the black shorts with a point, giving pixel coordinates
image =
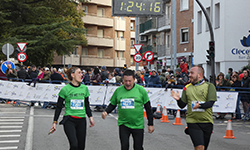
(200, 133)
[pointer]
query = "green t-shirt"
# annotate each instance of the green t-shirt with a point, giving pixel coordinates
(130, 106)
(202, 93)
(74, 100)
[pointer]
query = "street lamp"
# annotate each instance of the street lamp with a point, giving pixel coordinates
(211, 59)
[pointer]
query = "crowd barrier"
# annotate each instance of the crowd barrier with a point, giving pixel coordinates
(100, 95)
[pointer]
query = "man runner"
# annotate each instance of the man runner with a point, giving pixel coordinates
(200, 96)
(131, 98)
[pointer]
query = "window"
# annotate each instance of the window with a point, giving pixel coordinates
(167, 40)
(121, 54)
(100, 53)
(121, 34)
(209, 15)
(184, 35)
(131, 26)
(184, 5)
(199, 24)
(84, 52)
(74, 52)
(100, 12)
(217, 15)
(85, 9)
(168, 13)
(132, 42)
(100, 33)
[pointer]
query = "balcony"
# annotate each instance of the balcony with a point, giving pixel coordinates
(119, 62)
(101, 2)
(132, 34)
(148, 48)
(149, 26)
(72, 59)
(96, 20)
(132, 51)
(120, 44)
(120, 24)
(97, 41)
(92, 60)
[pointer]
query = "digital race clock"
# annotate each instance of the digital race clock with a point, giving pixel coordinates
(137, 7)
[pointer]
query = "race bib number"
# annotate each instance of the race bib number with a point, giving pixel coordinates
(76, 104)
(197, 109)
(127, 103)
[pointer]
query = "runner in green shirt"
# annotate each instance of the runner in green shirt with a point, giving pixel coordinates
(76, 98)
(130, 99)
(199, 96)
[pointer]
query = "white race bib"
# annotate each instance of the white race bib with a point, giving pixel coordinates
(76, 103)
(127, 103)
(197, 109)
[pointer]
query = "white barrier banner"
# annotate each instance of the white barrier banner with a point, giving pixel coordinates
(110, 91)
(99, 95)
(226, 102)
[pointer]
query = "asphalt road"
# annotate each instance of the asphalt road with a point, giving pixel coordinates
(32, 126)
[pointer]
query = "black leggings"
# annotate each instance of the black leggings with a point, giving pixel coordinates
(200, 133)
(137, 135)
(75, 130)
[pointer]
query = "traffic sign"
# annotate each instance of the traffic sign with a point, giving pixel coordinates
(22, 57)
(137, 47)
(137, 57)
(20, 50)
(5, 64)
(7, 47)
(21, 46)
(148, 56)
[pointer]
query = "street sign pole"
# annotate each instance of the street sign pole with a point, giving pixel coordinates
(8, 57)
(136, 38)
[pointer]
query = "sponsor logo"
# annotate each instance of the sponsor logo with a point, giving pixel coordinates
(98, 99)
(245, 41)
(228, 106)
(45, 96)
(229, 97)
(15, 86)
(1, 84)
(56, 88)
(171, 103)
(99, 91)
(158, 101)
(54, 96)
(47, 88)
(13, 93)
(243, 53)
(148, 91)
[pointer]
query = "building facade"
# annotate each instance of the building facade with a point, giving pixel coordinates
(108, 38)
(231, 33)
(157, 35)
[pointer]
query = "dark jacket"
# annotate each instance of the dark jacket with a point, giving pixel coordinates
(22, 74)
(96, 77)
(33, 74)
(104, 75)
(245, 96)
(86, 79)
(154, 80)
(56, 78)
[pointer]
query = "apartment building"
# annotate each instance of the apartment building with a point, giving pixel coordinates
(108, 38)
(231, 34)
(156, 34)
(184, 32)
